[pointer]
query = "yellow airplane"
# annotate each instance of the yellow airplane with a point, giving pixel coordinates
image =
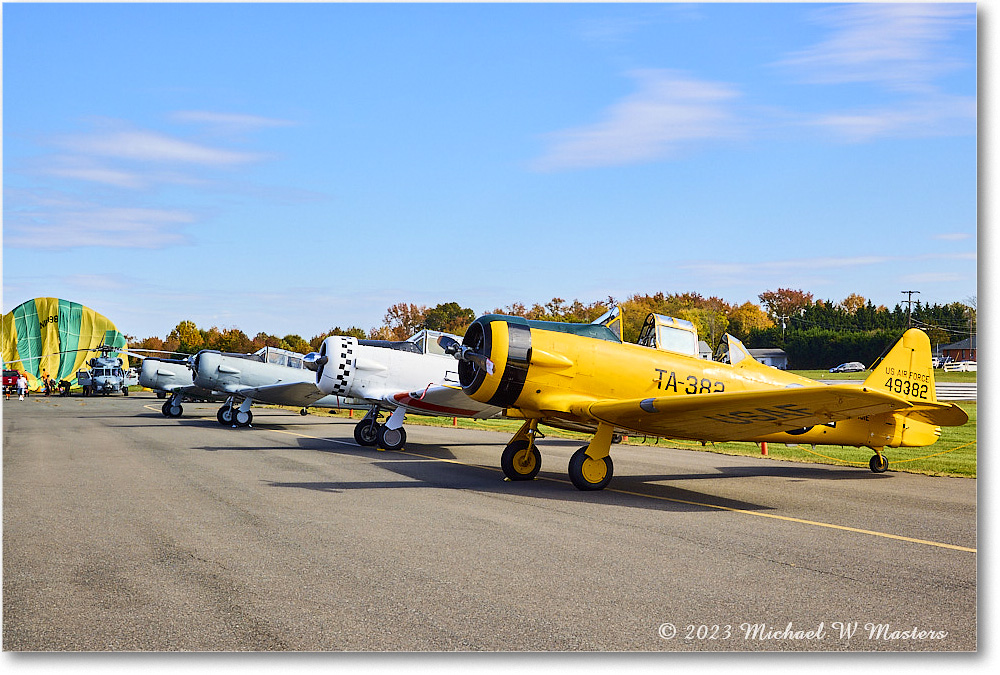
(584, 377)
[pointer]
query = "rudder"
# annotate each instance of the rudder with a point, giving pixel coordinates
(906, 370)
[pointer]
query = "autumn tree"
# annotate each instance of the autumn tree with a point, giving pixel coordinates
(401, 321)
(187, 336)
(295, 343)
(235, 341)
(152, 343)
(710, 324)
(449, 317)
(785, 302)
(852, 303)
(747, 318)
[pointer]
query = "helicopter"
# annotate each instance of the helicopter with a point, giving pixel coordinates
(107, 373)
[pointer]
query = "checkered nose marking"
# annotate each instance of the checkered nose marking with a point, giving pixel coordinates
(344, 366)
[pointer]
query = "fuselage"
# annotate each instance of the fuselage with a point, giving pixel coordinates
(556, 376)
(392, 377)
(234, 373)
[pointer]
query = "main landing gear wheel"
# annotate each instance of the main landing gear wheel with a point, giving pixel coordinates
(520, 460)
(225, 415)
(172, 411)
(242, 418)
(588, 473)
(878, 463)
(366, 433)
(391, 439)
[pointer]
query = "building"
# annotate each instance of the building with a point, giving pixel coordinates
(704, 351)
(776, 358)
(964, 350)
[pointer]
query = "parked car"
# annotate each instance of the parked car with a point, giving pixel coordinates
(850, 367)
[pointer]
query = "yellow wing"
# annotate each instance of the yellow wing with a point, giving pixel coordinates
(745, 415)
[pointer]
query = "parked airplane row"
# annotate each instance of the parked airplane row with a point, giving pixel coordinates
(574, 376)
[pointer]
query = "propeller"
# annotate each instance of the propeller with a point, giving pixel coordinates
(463, 353)
(314, 361)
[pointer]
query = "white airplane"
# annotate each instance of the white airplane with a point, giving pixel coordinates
(269, 375)
(415, 374)
(174, 378)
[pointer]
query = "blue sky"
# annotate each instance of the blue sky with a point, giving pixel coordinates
(289, 168)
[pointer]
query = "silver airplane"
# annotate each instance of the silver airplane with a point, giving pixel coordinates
(415, 374)
(173, 378)
(269, 375)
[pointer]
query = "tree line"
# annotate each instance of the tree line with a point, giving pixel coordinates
(814, 333)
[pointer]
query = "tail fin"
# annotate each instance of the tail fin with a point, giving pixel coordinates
(906, 370)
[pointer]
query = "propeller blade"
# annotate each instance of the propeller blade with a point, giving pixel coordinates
(463, 353)
(449, 344)
(314, 361)
(479, 359)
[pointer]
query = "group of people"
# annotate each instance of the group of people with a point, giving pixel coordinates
(21, 385)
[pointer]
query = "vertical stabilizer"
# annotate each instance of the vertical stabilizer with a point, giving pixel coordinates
(906, 370)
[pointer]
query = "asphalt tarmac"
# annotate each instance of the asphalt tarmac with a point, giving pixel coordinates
(126, 530)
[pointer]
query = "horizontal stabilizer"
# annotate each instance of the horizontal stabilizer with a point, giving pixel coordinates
(938, 414)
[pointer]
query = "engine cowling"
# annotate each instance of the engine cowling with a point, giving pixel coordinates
(498, 378)
(335, 366)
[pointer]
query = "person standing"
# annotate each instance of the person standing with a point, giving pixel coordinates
(22, 386)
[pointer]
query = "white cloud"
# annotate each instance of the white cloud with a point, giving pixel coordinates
(97, 174)
(668, 111)
(901, 45)
(924, 116)
(150, 146)
(89, 225)
(229, 121)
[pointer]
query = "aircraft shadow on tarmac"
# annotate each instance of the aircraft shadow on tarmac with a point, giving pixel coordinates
(423, 470)
(432, 466)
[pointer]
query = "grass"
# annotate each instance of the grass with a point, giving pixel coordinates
(939, 375)
(953, 455)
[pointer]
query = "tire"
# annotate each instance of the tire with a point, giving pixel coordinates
(225, 415)
(590, 474)
(242, 418)
(878, 463)
(165, 409)
(391, 439)
(366, 433)
(519, 462)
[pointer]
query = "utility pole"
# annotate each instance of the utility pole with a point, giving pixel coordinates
(909, 306)
(782, 326)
